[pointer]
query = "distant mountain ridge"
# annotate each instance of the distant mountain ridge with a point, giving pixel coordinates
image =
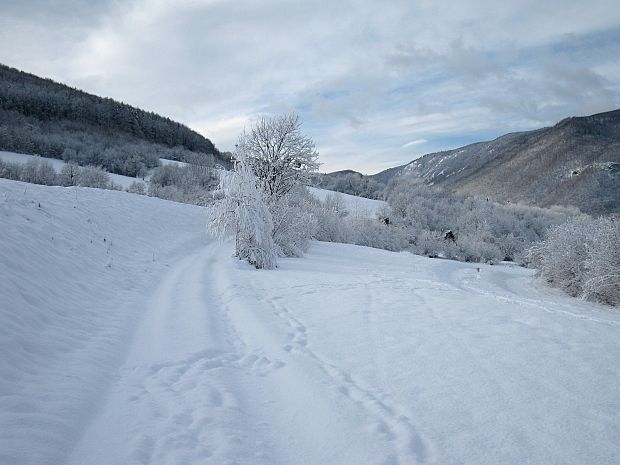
(574, 163)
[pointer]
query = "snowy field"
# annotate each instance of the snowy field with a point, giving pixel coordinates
(358, 206)
(127, 336)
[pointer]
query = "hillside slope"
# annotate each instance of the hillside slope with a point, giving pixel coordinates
(129, 337)
(576, 162)
(40, 116)
(355, 206)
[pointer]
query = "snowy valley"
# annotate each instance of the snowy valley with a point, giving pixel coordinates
(130, 336)
(309, 233)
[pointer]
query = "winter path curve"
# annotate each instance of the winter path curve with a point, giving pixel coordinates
(218, 374)
(404, 361)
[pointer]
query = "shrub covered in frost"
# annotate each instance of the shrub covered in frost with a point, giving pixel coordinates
(582, 257)
(447, 225)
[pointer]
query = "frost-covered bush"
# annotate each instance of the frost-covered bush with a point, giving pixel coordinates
(294, 225)
(581, 257)
(93, 176)
(242, 211)
(335, 224)
(561, 257)
(167, 175)
(331, 225)
(335, 202)
(166, 192)
(10, 170)
(137, 187)
(38, 171)
(189, 183)
(372, 232)
(472, 247)
(35, 170)
(447, 225)
(602, 265)
(432, 244)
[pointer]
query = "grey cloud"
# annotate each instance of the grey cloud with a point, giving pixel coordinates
(353, 69)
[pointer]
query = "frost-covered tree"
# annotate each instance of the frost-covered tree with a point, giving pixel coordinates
(582, 257)
(68, 175)
(10, 170)
(602, 281)
(137, 187)
(282, 159)
(561, 257)
(38, 171)
(279, 154)
(93, 176)
(243, 212)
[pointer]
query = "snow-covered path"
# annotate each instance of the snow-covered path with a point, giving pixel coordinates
(217, 373)
(325, 361)
(173, 400)
(128, 337)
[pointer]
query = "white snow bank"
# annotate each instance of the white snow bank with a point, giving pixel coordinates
(76, 267)
(166, 161)
(359, 206)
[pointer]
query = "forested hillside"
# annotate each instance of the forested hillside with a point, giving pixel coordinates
(40, 116)
(350, 182)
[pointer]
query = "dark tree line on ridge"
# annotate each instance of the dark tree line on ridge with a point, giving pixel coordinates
(40, 116)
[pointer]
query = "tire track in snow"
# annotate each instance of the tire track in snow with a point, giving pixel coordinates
(177, 398)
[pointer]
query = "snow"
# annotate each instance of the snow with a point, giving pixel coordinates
(156, 347)
(359, 206)
(166, 161)
(123, 181)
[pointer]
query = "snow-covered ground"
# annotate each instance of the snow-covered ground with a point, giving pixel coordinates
(123, 181)
(359, 206)
(166, 161)
(129, 337)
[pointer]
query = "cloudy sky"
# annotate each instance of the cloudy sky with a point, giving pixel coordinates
(377, 84)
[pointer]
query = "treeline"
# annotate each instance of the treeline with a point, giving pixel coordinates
(191, 183)
(40, 171)
(349, 182)
(443, 224)
(39, 116)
